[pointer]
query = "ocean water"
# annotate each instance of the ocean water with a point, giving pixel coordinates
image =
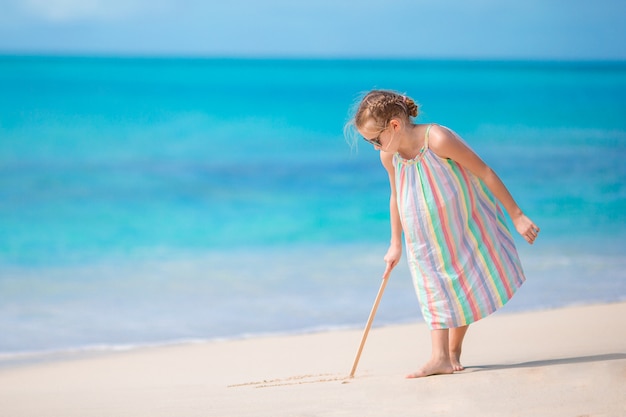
(149, 201)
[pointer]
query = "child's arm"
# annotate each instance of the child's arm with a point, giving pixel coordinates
(394, 253)
(447, 144)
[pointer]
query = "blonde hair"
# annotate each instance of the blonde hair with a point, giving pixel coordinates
(380, 106)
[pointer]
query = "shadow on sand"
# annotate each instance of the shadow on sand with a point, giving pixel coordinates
(549, 362)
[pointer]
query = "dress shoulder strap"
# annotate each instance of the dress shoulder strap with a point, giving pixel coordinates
(426, 136)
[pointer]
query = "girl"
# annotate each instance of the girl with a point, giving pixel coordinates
(445, 199)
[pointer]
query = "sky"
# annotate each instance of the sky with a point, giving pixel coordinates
(475, 29)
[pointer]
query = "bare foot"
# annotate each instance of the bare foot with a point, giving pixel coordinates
(433, 367)
(455, 361)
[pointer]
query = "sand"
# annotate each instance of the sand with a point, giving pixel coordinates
(563, 362)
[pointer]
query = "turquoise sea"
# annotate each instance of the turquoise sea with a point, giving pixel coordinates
(150, 201)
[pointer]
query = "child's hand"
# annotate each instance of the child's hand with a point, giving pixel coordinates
(526, 228)
(392, 257)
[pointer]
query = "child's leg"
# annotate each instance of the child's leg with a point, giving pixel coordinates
(439, 362)
(455, 346)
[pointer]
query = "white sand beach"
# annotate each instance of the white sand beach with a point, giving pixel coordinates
(564, 362)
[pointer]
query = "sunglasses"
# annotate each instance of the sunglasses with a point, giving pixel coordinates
(376, 141)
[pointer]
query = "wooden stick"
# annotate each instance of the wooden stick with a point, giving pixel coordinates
(370, 320)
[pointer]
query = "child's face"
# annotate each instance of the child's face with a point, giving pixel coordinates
(371, 133)
(383, 140)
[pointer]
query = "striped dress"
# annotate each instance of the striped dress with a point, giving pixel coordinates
(460, 252)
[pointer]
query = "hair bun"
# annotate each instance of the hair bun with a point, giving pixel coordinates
(411, 106)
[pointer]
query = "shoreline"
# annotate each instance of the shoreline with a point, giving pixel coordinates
(346, 277)
(559, 362)
(10, 360)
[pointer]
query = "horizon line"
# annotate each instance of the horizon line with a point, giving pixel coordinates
(293, 57)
